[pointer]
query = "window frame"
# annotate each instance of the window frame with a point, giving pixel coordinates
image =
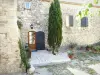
(68, 20)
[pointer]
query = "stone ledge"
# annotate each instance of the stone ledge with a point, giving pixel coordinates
(72, 3)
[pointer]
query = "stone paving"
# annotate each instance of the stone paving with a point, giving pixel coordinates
(43, 57)
(77, 72)
(96, 67)
(85, 63)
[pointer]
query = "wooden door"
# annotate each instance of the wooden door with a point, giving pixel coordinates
(40, 40)
(32, 40)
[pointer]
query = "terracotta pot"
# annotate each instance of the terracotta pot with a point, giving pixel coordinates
(71, 56)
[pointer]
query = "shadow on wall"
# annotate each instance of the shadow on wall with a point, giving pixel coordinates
(81, 47)
(77, 47)
(98, 43)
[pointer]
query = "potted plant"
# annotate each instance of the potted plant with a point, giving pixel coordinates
(72, 46)
(70, 54)
(96, 49)
(81, 48)
(89, 47)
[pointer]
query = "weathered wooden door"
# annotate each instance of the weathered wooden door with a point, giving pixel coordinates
(32, 40)
(40, 40)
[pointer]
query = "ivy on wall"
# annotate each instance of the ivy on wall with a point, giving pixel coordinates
(24, 56)
(19, 23)
(86, 10)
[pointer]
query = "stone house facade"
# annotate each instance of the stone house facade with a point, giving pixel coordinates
(74, 30)
(38, 16)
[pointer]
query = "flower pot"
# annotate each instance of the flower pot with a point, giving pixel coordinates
(71, 56)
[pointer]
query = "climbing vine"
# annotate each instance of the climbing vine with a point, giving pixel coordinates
(85, 12)
(24, 56)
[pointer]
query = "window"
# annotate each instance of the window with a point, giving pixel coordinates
(27, 5)
(84, 22)
(69, 20)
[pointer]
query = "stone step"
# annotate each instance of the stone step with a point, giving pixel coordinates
(95, 67)
(43, 57)
(77, 72)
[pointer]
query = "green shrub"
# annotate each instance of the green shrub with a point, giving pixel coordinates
(70, 52)
(72, 45)
(55, 26)
(19, 24)
(24, 56)
(97, 48)
(89, 47)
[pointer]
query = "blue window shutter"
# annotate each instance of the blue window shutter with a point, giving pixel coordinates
(84, 22)
(71, 20)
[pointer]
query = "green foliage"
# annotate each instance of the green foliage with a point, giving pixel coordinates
(72, 45)
(55, 26)
(70, 52)
(19, 23)
(24, 56)
(89, 5)
(97, 48)
(89, 46)
(85, 12)
(91, 71)
(96, 1)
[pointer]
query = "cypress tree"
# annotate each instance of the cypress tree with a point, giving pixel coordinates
(55, 26)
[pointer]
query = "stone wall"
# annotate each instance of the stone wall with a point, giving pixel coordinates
(78, 34)
(35, 16)
(75, 34)
(9, 36)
